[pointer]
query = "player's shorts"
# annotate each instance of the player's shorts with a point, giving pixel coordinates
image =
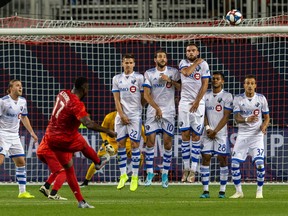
(11, 145)
(253, 145)
(133, 130)
(152, 125)
(218, 146)
(191, 121)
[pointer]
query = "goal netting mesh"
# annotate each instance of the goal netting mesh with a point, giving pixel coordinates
(47, 63)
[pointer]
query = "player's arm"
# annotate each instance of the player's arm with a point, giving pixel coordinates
(221, 124)
(189, 70)
(143, 100)
(240, 119)
(26, 122)
(177, 84)
(149, 99)
(200, 94)
(90, 124)
(125, 120)
(265, 123)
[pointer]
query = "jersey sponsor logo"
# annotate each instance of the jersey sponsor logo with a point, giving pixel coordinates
(158, 85)
(256, 112)
(133, 89)
(218, 108)
(123, 89)
(197, 76)
(12, 114)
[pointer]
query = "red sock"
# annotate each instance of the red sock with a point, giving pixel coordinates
(73, 184)
(60, 179)
(89, 153)
(51, 178)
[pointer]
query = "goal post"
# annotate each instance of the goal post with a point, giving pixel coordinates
(48, 55)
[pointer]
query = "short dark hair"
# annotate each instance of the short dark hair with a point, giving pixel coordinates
(193, 44)
(79, 82)
(250, 76)
(129, 55)
(219, 73)
(11, 84)
(159, 51)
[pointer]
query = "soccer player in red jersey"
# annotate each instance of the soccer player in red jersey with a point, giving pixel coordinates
(63, 137)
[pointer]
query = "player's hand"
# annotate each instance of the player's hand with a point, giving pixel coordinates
(263, 129)
(211, 134)
(111, 133)
(252, 118)
(125, 120)
(194, 106)
(158, 113)
(34, 136)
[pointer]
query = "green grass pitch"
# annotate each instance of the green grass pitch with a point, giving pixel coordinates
(178, 200)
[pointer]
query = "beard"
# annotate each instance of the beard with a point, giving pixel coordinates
(161, 65)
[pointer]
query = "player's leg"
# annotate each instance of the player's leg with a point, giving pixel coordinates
(168, 133)
(205, 174)
(149, 157)
(16, 152)
(224, 172)
(186, 155)
(135, 164)
(122, 163)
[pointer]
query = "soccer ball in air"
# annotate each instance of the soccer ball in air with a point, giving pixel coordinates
(234, 17)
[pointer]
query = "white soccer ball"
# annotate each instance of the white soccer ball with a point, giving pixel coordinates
(234, 17)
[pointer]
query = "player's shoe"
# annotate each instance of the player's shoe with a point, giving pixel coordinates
(134, 183)
(44, 191)
(259, 195)
(123, 180)
(191, 177)
(56, 197)
(103, 162)
(237, 195)
(221, 195)
(25, 195)
(205, 195)
(165, 180)
(83, 204)
(185, 175)
(149, 179)
(84, 183)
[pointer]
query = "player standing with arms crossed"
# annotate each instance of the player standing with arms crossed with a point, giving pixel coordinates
(159, 92)
(248, 110)
(195, 76)
(128, 96)
(13, 108)
(63, 137)
(218, 107)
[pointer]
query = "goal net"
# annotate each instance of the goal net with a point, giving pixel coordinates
(48, 55)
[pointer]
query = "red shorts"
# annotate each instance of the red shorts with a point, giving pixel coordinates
(64, 150)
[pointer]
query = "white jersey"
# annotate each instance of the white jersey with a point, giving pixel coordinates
(191, 85)
(10, 113)
(215, 104)
(257, 105)
(163, 93)
(130, 89)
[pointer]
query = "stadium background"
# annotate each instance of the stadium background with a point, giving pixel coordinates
(46, 68)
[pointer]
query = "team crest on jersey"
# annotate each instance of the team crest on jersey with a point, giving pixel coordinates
(133, 89)
(218, 108)
(219, 100)
(256, 112)
(197, 76)
(133, 81)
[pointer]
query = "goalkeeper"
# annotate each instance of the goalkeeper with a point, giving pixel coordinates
(109, 146)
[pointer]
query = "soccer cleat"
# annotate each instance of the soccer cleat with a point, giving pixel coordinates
(56, 197)
(205, 195)
(134, 183)
(149, 178)
(103, 162)
(84, 183)
(44, 191)
(123, 180)
(165, 180)
(221, 195)
(259, 195)
(237, 195)
(185, 175)
(25, 195)
(191, 177)
(83, 204)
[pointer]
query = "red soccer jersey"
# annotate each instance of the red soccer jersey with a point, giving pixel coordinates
(66, 115)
